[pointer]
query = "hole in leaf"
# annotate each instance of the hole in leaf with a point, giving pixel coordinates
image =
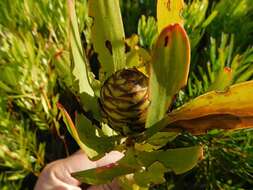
(168, 5)
(166, 40)
(108, 45)
(127, 48)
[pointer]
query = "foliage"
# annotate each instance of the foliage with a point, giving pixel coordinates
(20, 153)
(35, 73)
(32, 42)
(170, 48)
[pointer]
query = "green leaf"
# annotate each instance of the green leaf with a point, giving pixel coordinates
(8, 76)
(107, 35)
(74, 133)
(153, 175)
(178, 160)
(162, 138)
(181, 160)
(169, 70)
(80, 62)
(85, 134)
(157, 141)
(92, 136)
(169, 12)
(147, 30)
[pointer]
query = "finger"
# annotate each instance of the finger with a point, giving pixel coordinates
(109, 158)
(53, 178)
(78, 162)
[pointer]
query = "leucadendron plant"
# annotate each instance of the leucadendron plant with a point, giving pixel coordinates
(130, 106)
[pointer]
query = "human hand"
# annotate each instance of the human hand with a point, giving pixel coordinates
(57, 175)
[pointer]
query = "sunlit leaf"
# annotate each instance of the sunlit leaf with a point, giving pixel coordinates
(228, 109)
(147, 30)
(86, 135)
(236, 100)
(107, 35)
(92, 136)
(169, 70)
(74, 133)
(169, 12)
(80, 62)
(139, 58)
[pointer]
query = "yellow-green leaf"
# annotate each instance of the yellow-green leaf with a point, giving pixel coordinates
(86, 135)
(107, 35)
(229, 109)
(237, 100)
(169, 12)
(80, 62)
(74, 133)
(152, 175)
(178, 160)
(169, 70)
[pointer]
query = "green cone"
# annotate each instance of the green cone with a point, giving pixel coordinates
(124, 101)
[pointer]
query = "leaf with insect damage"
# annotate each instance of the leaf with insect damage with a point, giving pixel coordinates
(169, 70)
(108, 35)
(80, 64)
(169, 12)
(229, 109)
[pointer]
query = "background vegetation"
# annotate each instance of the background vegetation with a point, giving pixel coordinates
(35, 73)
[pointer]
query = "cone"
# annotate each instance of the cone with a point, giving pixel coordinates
(124, 101)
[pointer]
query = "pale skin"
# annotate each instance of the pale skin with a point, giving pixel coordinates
(57, 175)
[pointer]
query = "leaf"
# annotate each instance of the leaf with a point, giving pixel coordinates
(93, 136)
(178, 160)
(74, 133)
(223, 80)
(80, 62)
(169, 70)
(147, 30)
(9, 77)
(103, 175)
(162, 138)
(229, 109)
(235, 101)
(157, 141)
(85, 134)
(139, 58)
(107, 35)
(169, 12)
(153, 175)
(202, 125)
